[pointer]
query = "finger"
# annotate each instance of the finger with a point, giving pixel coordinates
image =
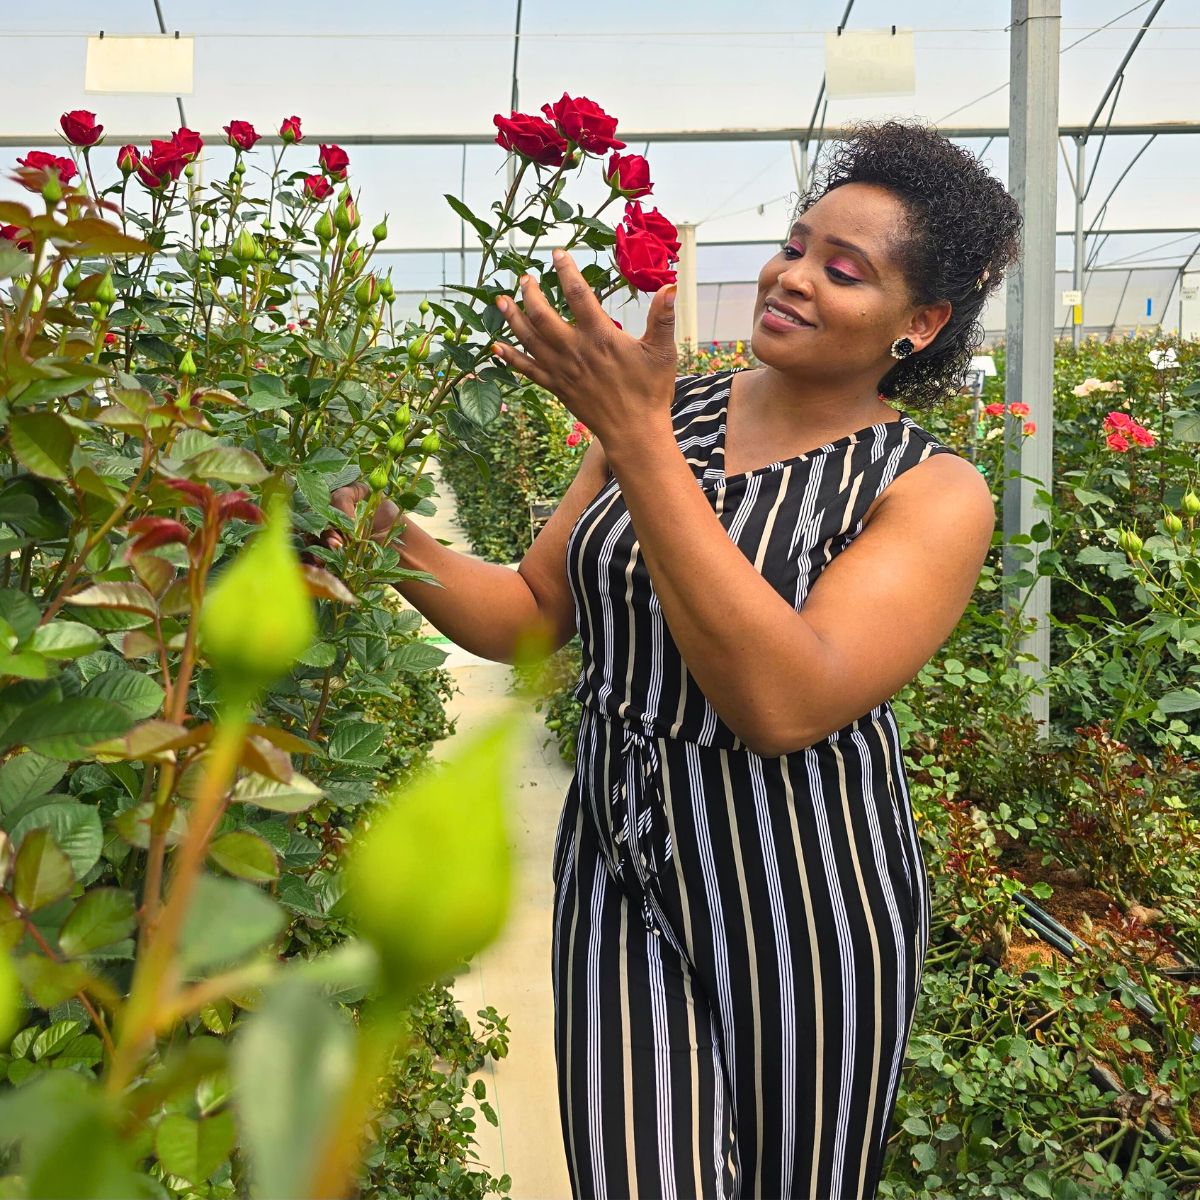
(522, 364)
(546, 322)
(522, 324)
(582, 301)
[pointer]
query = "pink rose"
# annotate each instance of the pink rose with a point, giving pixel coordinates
(1141, 435)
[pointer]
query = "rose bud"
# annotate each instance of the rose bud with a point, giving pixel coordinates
(345, 217)
(245, 248)
(289, 131)
(80, 128)
(423, 307)
(317, 187)
(1172, 524)
(421, 918)
(418, 351)
(387, 290)
(105, 293)
(110, 338)
(628, 175)
(257, 619)
(74, 279)
(128, 160)
(431, 443)
(1129, 542)
(367, 292)
(334, 161)
(378, 478)
(187, 364)
(241, 135)
(324, 226)
(402, 418)
(380, 231)
(1191, 504)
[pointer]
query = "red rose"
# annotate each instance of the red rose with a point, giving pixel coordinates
(574, 438)
(334, 161)
(655, 224)
(12, 233)
(1118, 422)
(1019, 409)
(1117, 442)
(585, 123)
(189, 142)
(531, 137)
(39, 160)
(1030, 427)
(317, 187)
(241, 135)
(128, 160)
(110, 338)
(81, 128)
(629, 174)
(289, 130)
(643, 260)
(994, 410)
(162, 165)
(1141, 435)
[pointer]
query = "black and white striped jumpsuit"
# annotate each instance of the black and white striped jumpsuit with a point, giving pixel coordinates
(738, 940)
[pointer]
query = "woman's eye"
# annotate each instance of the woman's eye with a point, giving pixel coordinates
(791, 251)
(840, 276)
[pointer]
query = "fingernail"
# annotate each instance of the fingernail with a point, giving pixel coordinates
(523, 280)
(669, 297)
(558, 255)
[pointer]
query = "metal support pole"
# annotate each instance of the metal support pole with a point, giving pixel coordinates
(687, 322)
(1029, 373)
(1080, 150)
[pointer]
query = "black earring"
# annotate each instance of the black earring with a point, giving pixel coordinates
(902, 347)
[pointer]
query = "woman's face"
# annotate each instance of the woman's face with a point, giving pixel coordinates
(834, 298)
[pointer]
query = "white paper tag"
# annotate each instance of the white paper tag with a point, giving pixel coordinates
(160, 66)
(869, 62)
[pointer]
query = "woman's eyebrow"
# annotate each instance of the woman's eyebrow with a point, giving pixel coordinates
(801, 227)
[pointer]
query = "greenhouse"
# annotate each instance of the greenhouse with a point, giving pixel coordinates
(600, 602)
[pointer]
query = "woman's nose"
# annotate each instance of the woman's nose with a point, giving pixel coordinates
(796, 277)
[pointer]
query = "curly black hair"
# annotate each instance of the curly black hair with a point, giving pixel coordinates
(964, 224)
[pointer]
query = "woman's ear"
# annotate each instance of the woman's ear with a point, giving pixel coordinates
(927, 322)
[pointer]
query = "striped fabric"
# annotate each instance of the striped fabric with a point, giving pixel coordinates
(737, 940)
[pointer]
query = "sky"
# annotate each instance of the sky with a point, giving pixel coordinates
(370, 68)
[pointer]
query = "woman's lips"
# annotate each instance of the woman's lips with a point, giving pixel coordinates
(772, 320)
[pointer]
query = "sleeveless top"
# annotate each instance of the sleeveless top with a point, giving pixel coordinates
(790, 519)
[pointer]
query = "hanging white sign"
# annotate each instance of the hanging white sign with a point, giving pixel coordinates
(869, 62)
(160, 65)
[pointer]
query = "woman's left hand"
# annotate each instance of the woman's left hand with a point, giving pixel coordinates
(617, 385)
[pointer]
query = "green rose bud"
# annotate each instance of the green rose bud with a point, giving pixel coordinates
(380, 231)
(187, 364)
(378, 479)
(72, 281)
(1172, 524)
(239, 168)
(402, 418)
(345, 217)
(418, 350)
(423, 307)
(324, 227)
(245, 248)
(1191, 504)
(1129, 542)
(396, 443)
(257, 619)
(205, 225)
(367, 292)
(431, 443)
(52, 189)
(106, 294)
(386, 289)
(205, 255)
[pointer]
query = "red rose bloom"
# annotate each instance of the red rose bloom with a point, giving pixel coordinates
(655, 224)
(1030, 427)
(585, 123)
(189, 142)
(1141, 435)
(1118, 422)
(643, 260)
(629, 174)
(334, 161)
(128, 160)
(1116, 442)
(12, 233)
(574, 438)
(289, 130)
(241, 135)
(531, 137)
(162, 165)
(317, 187)
(1019, 409)
(80, 127)
(994, 410)
(39, 160)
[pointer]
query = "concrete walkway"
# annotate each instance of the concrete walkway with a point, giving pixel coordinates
(513, 974)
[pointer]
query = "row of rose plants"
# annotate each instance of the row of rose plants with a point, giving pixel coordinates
(216, 925)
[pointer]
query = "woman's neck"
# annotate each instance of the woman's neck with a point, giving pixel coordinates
(785, 407)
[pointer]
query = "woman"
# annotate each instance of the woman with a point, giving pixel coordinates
(756, 562)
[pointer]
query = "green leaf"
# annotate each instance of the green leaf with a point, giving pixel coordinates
(417, 656)
(319, 654)
(11, 1009)
(226, 921)
(86, 1050)
(480, 226)
(27, 775)
(1187, 428)
(128, 596)
(139, 695)
(65, 730)
(1183, 700)
(231, 464)
(65, 639)
(19, 612)
(1037, 1183)
(74, 826)
(194, 1149)
(925, 1155)
(480, 400)
(42, 873)
(916, 1126)
(103, 916)
(245, 855)
(13, 260)
(297, 896)
(54, 1038)
(292, 1064)
(296, 795)
(41, 442)
(356, 741)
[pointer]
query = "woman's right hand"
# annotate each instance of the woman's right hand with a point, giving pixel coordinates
(387, 522)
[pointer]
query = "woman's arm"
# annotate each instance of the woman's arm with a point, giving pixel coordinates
(488, 609)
